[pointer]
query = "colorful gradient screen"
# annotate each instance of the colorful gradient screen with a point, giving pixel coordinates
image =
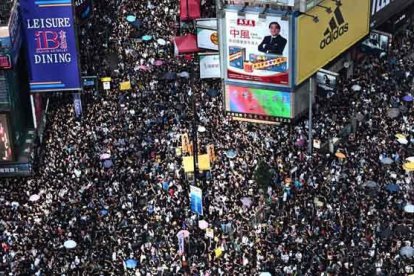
(263, 102)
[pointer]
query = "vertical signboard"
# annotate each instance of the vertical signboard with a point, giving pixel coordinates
(51, 45)
(196, 200)
(257, 48)
(6, 153)
(209, 65)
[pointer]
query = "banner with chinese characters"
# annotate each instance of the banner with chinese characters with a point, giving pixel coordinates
(257, 48)
(209, 66)
(51, 45)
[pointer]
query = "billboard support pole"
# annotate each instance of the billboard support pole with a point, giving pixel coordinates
(33, 111)
(310, 117)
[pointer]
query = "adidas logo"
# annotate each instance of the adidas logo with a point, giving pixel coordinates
(337, 27)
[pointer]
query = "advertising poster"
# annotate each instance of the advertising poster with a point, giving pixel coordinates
(326, 81)
(6, 153)
(320, 42)
(196, 200)
(264, 102)
(257, 49)
(209, 66)
(207, 39)
(51, 45)
(377, 42)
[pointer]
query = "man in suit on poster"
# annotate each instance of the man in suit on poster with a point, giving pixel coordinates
(273, 43)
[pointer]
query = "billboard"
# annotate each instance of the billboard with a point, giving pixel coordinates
(377, 42)
(257, 103)
(6, 153)
(326, 81)
(209, 66)
(256, 48)
(382, 10)
(10, 39)
(320, 42)
(207, 36)
(51, 45)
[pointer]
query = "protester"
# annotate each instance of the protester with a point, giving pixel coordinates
(113, 183)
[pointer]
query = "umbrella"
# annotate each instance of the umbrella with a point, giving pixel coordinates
(143, 68)
(356, 87)
(201, 129)
(386, 233)
(231, 153)
(103, 212)
(34, 197)
(184, 74)
(247, 201)
(340, 155)
(169, 76)
(69, 244)
(218, 252)
(393, 113)
(161, 41)
(410, 159)
(202, 224)
(183, 234)
(104, 156)
(408, 166)
(300, 142)
(407, 251)
(392, 188)
(146, 38)
(131, 263)
(370, 184)
(165, 186)
(386, 161)
(158, 62)
(108, 163)
(360, 117)
(400, 136)
(318, 201)
(403, 141)
(409, 208)
(131, 18)
(212, 92)
(402, 229)
(408, 98)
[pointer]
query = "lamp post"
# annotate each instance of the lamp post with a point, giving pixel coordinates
(310, 117)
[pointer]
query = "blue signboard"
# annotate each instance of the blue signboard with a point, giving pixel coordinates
(196, 200)
(51, 45)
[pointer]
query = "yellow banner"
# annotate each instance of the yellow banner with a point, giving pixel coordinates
(106, 79)
(126, 85)
(320, 41)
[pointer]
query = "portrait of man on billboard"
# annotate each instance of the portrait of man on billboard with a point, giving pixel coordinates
(273, 43)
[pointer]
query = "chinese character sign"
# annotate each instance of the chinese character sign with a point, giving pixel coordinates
(51, 44)
(257, 49)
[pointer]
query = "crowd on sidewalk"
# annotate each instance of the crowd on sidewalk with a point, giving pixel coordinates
(113, 183)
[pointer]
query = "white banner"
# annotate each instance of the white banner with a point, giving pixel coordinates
(106, 85)
(209, 66)
(207, 39)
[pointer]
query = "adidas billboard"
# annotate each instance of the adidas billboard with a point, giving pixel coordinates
(337, 27)
(321, 36)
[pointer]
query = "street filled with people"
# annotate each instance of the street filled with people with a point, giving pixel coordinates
(110, 194)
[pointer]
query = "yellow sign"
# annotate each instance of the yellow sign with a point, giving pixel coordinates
(106, 79)
(323, 36)
(125, 85)
(203, 163)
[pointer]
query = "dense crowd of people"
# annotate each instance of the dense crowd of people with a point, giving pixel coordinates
(113, 182)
